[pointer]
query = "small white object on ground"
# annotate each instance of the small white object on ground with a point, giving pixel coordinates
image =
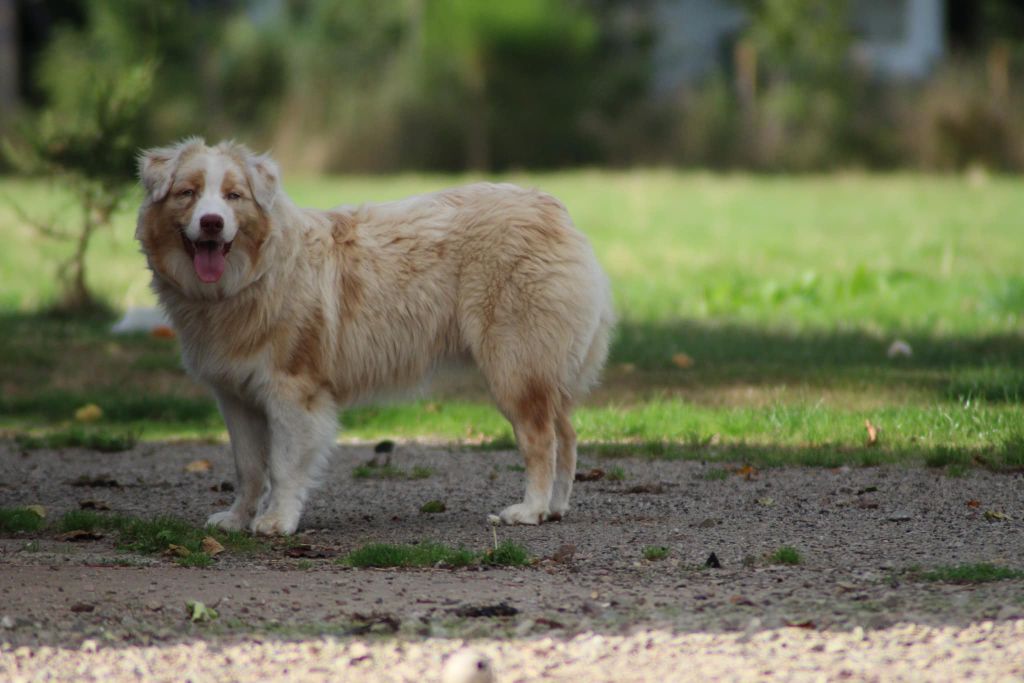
(141, 319)
(899, 349)
(468, 666)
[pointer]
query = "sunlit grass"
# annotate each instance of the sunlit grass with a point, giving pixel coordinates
(785, 293)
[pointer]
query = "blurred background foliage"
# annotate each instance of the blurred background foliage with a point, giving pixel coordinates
(450, 85)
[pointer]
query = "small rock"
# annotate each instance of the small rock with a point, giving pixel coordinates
(900, 516)
(6, 622)
(468, 666)
(899, 349)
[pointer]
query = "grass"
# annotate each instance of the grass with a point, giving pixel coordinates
(433, 507)
(96, 439)
(431, 554)
(655, 552)
(616, 473)
(155, 535)
(785, 292)
(16, 520)
(966, 574)
(785, 555)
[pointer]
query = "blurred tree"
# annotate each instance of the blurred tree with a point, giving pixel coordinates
(514, 77)
(87, 143)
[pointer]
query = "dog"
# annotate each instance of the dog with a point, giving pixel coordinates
(290, 314)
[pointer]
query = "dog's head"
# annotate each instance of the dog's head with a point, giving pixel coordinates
(205, 220)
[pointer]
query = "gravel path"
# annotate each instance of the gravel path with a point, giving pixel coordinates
(591, 608)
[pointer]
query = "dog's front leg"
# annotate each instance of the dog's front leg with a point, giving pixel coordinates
(247, 427)
(301, 435)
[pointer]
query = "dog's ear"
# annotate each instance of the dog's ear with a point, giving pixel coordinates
(157, 167)
(265, 180)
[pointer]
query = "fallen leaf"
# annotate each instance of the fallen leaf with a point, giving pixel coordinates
(374, 623)
(748, 472)
(712, 562)
(646, 488)
(800, 624)
(174, 550)
(741, 600)
(996, 516)
(80, 607)
(564, 554)
(162, 332)
(502, 609)
(307, 550)
(973, 503)
(91, 504)
(90, 412)
(197, 611)
(592, 475)
(767, 502)
(79, 535)
(682, 360)
(199, 466)
(211, 546)
(872, 432)
(38, 509)
(97, 481)
(550, 623)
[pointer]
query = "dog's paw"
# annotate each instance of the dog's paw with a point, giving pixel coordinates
(227, 520)
(521, 513)
(272, 524)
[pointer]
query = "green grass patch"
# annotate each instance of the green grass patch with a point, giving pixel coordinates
(965, 573)
(715, 474)
(616, 473)
(373, 471)
(153, 536)
(785, 555)
(507, 554)
(433, 507)
(427, 554)
(93, 438)
(655, 552)
(17, 520)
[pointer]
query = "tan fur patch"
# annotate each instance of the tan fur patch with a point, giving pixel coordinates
(534, 405)
(306, 354)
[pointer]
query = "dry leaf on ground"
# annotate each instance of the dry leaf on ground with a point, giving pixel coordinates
(211, 546)
(199, 466)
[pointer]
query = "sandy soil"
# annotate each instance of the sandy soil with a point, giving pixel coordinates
(591, 607)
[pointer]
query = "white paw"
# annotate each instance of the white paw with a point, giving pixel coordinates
(228, 520)
(521, 513)
(274, 524)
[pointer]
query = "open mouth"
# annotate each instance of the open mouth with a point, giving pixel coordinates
(208, 257)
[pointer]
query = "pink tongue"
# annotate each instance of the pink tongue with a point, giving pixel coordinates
(209, 263)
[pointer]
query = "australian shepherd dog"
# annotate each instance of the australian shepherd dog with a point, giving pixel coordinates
(289, 314)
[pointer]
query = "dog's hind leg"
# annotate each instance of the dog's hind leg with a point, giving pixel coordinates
(301, 437)
(532, 414)
(565, 464)
(247, 427)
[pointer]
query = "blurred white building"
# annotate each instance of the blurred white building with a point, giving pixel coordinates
(893, 39)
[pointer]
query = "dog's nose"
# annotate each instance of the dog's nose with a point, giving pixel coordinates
(211, 223)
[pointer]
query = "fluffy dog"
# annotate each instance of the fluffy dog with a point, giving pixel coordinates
(289, 314)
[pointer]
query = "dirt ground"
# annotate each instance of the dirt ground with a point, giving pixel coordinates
(590, 608)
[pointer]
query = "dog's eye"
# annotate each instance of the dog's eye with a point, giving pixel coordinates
(233, 196)
(186, 193)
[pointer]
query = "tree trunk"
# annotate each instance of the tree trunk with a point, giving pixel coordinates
(8, 60)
